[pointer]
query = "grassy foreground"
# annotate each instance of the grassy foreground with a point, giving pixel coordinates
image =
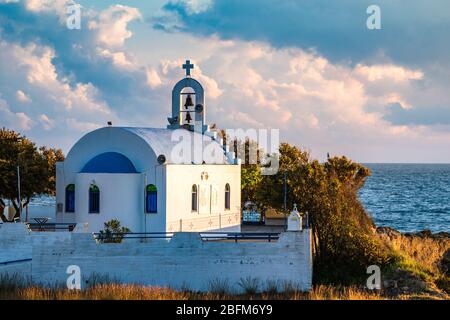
(136, 292)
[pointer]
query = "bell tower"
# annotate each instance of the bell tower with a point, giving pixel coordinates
(188, 103)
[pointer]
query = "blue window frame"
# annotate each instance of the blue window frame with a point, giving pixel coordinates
(151, 199)
(70, 198)
(94, 199)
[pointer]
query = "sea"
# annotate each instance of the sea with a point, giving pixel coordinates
(406, 197)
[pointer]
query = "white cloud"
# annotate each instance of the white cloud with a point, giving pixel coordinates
(153, 79)
(119, 58)
(22, 96)
(316, 103)
(34, 64)
(46, 5)
(395, 97)
(83, 126)
(112, 23)
(59, 7)
(46, 122)
(196, 6)
(388, 71)
(30, 70)
(14, 120)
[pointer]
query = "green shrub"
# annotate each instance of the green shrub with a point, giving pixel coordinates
(113, 232)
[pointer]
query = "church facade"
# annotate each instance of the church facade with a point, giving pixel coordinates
(179, 178)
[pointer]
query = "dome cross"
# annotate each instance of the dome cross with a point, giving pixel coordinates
(188, 66)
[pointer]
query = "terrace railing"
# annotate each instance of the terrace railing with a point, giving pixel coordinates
(5, 263)
(49, 227)
(205, 236)
(132, 235)
(239, 236)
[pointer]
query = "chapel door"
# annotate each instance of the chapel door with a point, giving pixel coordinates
(204, 199)
(215, 206)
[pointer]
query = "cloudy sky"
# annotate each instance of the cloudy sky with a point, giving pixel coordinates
(308, 67)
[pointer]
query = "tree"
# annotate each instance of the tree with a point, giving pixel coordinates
(113, 232)
(250, 154)
(52, 156)
(37, 169)
(344, 243)
(250, 182)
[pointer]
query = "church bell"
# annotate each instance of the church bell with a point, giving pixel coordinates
(188, 117)
(188, 102)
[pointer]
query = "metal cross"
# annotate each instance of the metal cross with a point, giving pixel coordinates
(188, 66)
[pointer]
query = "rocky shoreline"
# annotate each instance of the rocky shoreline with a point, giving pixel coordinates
(426, 265)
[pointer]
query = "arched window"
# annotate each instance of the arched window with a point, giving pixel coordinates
(151, 199)
(227, 197)
(94, 199)
(194, 198)
(70, 198)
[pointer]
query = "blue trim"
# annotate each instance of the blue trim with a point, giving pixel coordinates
(109, 162)
(94, 200)
(70, 200)
(152, 202)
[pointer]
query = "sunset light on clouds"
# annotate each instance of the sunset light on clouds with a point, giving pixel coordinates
(353, 92)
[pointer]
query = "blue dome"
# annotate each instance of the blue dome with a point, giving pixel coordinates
(109, 162)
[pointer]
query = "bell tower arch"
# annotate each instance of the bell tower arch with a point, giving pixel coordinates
(185, 113)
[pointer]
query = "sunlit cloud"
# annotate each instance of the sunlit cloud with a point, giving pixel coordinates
(57, 80)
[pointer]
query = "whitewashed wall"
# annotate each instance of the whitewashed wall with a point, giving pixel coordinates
(15, 245)
(120, 198)
(108, 139)
(181, 178)
(184, 261)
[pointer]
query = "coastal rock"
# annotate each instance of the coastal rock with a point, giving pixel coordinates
(403, 282)
(388, 232)
(445, 263)
(425, 248)
(427, 256)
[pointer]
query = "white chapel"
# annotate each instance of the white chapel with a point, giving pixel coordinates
(179, 178)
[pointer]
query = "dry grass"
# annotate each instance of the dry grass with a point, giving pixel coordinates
(101, 292)
(136, 292)
(323, 292)
(15, 287)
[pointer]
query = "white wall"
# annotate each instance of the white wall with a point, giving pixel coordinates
(180, 179)
(184, 261)
(156, 222)
(121, 197)
(60, 188)
(15, 242)
(108, 139)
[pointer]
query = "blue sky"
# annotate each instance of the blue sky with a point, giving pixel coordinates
(310, 68)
